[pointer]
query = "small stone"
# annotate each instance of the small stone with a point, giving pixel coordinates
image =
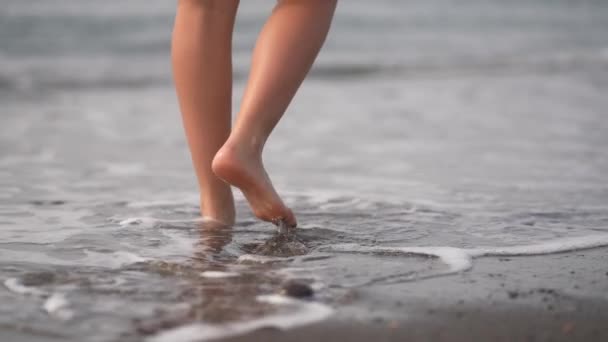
(297, 289)
(513, 294)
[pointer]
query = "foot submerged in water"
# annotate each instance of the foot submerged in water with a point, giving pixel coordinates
(244, 169)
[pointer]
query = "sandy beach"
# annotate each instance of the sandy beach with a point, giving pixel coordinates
(545, 298)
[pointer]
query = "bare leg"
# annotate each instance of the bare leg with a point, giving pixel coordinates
(202, 68)
(284, 52)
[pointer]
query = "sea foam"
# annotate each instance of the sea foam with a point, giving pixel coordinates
(57, 306)
(461, 259)
(302, 313)
(15, 285)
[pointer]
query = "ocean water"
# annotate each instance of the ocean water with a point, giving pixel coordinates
(429, 134)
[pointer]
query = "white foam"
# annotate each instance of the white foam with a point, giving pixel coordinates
(112, 260)
(57, 306)
(150, 222)
(218, 274)
(91, 258)
(461, 259)
(549, 247)
(145, 222)
(457, 259)
(303, 313)
(15, 285)
(259, 259)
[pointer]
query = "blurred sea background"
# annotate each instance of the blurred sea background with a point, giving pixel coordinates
(423, 123)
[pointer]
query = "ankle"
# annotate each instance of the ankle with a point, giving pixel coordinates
(247, 144)
(216, 193)
(218, 205)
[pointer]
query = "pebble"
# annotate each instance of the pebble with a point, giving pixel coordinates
(297, 289)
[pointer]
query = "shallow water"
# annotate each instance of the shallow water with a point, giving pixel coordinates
(429, 134)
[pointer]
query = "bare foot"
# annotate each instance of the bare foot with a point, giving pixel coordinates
(243, 168)
(218, 204)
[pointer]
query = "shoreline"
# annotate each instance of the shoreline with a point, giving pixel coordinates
(556, 297)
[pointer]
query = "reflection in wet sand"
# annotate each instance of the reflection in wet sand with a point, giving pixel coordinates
(232, 293)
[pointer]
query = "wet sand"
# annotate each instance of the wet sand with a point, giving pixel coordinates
(511, 323)
(560, 297)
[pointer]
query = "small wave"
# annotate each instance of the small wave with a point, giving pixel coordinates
(29, 76)
(549, 247)
(461, 259)
(151, 222)
(60, 82)
(15, 285)
(112, 260)
(301, 313)
(144, 222)
(261, 259)
(457, 259)
(55, 305)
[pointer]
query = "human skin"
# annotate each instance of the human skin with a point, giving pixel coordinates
(284, 52)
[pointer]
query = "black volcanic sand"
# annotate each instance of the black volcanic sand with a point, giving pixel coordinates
(560, 297)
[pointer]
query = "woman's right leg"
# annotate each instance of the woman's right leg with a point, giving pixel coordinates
(202, 69)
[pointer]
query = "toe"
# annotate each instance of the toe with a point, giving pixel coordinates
(290, 219)
(277, 217)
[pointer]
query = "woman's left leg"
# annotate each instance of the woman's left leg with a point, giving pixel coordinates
(283, 55)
